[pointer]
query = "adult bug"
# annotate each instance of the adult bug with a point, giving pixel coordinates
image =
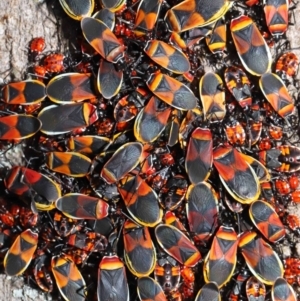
(20, 254)
(77, 9)
(248, 41)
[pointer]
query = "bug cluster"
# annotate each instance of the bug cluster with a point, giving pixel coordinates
(161, 155)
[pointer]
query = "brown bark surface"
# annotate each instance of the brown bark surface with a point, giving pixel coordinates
(20, 21)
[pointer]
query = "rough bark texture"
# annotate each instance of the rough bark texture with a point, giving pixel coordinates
(14, 289)
(20, 21)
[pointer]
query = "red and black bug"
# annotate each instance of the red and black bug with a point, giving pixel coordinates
(18, 127)
(39, 72)
(77, 9)
(107, 73)
(139, 251)
(88, 241)
(177, 245)
(33, 185)
(287, 66)
(68, 278)
(212, 96)
(68, 163)
(78, 256)
(277, 15)
(80, 206)
(54, 63)
(199, 155)
(146, 16)
(260, 257)
(167, 273)
(289, 158)
(70, 87)
(281, 290)
(149, 289)
(248, 40)
(63, 119)
(282, 186)
(88, 145)
(7, 218)
(188, 284)
(233, 170)
(167, 56)
(284, 158)
(112, 280)
(294, 181)
(127, 108)
(216, 41)
(255, 289)
(265, 144)
(102, 39)
(177, 95)
(113, 5)
(151, 121)
(293, 222)
(28, 218)
(235, 132)
(275, 132)
(239, 285)
(292, 270)
(141, 200)
(36, 46)
(64, 226)
(277, 94)
(221, 260)
(23, 93)
(172, 192)
(20, 254)
(190, 14)
(202, 211)
(42, 272)
(125, 159)
(238, 84)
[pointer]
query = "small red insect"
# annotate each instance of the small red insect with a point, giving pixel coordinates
(42, 272)
(282, 186)
(235, 133)
(105, 126)
(36, 46)
(54, 63)
(188, 284)
(292, 270)
(294, 182)
(287, 65)
(255, 289)
(265, 144)
(6, 218)
(294, 196)
(28, 218)
(65, 226)
(40, 72)
(275, 132)
(294, 222)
